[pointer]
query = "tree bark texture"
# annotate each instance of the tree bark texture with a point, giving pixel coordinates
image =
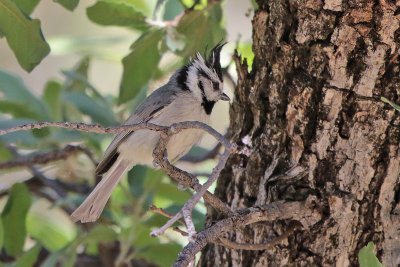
(312, 100)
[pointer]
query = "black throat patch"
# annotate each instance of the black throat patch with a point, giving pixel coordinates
(207, 104)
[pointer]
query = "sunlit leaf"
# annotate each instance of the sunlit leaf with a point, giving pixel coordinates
(199, 4)
(68, 4)
(26, 6)
(13, 218)
(49, 225)
(140, 64)
(367, 258)
(245, 50)
(120, 13)
(23, 35)
(29, 258)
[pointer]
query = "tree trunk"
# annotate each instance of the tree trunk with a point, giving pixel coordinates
(312, 101)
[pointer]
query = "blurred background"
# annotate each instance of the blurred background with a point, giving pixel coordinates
(85, 78)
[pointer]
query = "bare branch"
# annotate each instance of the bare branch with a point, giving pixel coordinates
(163, 213)
(161, 159)
(43, 158)
(196, 159)
(304, 212)
(177, 229)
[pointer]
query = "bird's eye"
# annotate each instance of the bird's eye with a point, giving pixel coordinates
(200, 84)
(216, 86)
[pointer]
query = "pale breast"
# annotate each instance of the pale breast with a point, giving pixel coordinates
(138, 148)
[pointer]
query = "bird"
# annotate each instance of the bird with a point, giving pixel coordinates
(189, 95)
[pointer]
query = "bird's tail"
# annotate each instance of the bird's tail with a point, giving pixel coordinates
(91, 208)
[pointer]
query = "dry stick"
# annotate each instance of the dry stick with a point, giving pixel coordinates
(304, 212)
(212, 154)
(181, 176)
(43, 158)
(222, 241)
(189, 205)
(163, 212)
(40, 176)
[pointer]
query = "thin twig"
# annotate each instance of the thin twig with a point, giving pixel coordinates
(196, 159)
(177, 229)
(305, 212)
(51, 183)
(164, 213)
(161, 159)
(43, 158)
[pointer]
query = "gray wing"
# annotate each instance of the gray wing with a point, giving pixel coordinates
(150, 108)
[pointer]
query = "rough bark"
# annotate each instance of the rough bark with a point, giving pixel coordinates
(313, 100)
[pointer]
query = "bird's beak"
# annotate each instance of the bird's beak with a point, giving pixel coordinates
(224, 97)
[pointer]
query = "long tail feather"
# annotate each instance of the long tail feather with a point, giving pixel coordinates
(91, 208)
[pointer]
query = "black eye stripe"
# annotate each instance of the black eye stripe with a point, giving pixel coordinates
(216, 86)
(200, 84)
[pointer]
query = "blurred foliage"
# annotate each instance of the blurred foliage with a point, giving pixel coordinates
(395, 106)
(34, 225)
(367, 258)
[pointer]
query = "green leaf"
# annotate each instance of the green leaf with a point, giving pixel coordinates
(245, 50)
(29, 258)
(396, 107)
(172, 9)
(49, 225)
(51, 96)
(23, 35)
(97, 110)
(140, 64)
(166, 254)
(99, 234)
(5, 154)
(68, 4)
(136, 177)
(77, 77)
(1, 234)
(26, 6)
(14, 91)
(14, 219)
(367, 258)
(17, 110)
(166, 190)
(201, 29)
(119, 13)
